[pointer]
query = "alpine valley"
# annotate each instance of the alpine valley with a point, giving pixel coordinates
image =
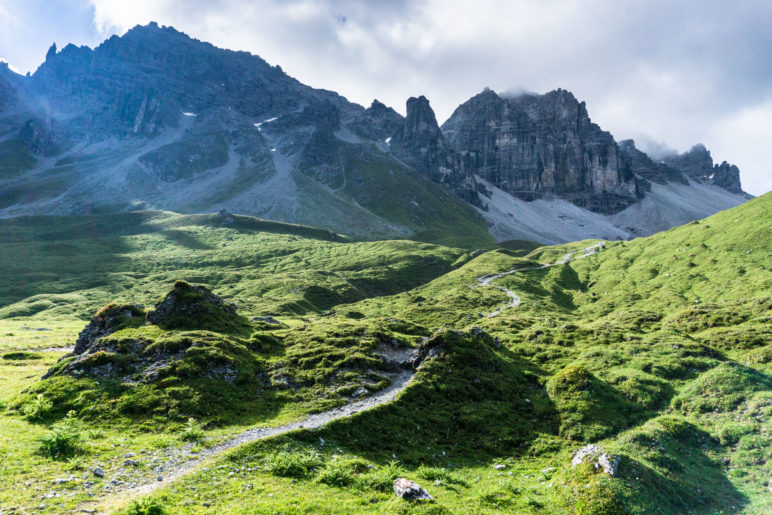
(224, 291)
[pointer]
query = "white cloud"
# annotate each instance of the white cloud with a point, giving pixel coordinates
(5, 15)
(745, 138)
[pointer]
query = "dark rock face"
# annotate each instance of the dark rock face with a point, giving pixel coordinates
(106, 321)
(139, 83)
(7, 94)
(377, 122)
(41, 138)
(536, 145)
(421, 145)
(420, 142)
(697, 163)
(728, 177)
(638, 163)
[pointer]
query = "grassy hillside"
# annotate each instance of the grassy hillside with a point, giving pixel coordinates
(658, 350)
(70, 266)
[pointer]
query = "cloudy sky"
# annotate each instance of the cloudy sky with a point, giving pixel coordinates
(664, 72)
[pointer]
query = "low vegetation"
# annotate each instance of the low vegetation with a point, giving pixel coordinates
(656, 350)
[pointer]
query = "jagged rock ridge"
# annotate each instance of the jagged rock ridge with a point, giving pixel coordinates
(156, 119)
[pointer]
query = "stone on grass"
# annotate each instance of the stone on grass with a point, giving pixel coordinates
(600, 460)
(409, 490)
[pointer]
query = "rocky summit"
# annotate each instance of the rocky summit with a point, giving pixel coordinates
(155, 119)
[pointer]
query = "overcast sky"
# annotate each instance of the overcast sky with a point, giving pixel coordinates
(667, 72)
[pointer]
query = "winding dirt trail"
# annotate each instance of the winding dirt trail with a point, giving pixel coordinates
(118, 498)
(515, 300)
(317, 420)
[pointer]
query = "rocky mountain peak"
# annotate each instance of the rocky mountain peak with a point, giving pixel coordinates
(419, 142)
(637, 162)
(420, 120)
(535, 145)
(51, 52)
(697, 164)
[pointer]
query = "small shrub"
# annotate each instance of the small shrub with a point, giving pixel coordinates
(21, 355)
(37, 409)
(75, 463)
(63, 439)
(336, 473)
(193, 431)
(498, 498)
(96, 434)
(381, 478)
(438, 474)
(293, 464)
(342, 472)
(146, 507)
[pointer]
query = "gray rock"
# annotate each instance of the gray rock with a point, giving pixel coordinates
(697, 163)
(533, 146)
(600, 460)
(267, 320)
(409, 490)
(98, 472)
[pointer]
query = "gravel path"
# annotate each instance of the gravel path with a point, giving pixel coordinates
(53, 349)
(149, 484)
(515, 300)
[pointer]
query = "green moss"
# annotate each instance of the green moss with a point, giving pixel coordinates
(721, 389)
(589, 408)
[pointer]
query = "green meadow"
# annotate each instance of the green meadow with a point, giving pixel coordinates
(658, 350)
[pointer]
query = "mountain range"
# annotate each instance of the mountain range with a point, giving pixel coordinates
(157, 120)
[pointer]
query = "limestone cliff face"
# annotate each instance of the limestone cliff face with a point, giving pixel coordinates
(156, 119)
(697, 163)
(378, 122)
(637, 162)
(7, 94)
(421, 144)
(727, 176)
(532, 146)
(139, 83)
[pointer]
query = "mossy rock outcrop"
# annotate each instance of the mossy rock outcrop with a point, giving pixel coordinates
(195, 307)
(109, 319)
(190, 318)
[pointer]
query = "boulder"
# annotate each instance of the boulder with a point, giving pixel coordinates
(601, 461)
(410, 490)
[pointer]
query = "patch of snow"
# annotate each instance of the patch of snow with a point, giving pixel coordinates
(260, 124)
(388, 140)
(273, 150)
(186, 113)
